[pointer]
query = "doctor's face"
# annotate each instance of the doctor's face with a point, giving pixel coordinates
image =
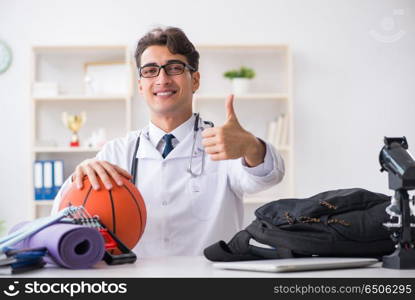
(167, 94)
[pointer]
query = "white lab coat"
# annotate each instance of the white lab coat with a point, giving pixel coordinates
(186, 214)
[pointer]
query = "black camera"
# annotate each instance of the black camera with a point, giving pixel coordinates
(400, 165)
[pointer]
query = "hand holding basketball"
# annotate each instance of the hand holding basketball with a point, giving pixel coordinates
(121, 209)
(101, 169)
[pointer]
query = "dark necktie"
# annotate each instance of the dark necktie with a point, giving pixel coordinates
(167, 138)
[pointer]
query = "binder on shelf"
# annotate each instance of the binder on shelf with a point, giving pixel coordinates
(57, 176)
(38, 179)
(48, 179)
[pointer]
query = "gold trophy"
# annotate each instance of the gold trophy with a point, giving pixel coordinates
(74, 123)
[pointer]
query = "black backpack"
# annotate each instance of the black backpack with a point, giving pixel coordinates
(345, 222)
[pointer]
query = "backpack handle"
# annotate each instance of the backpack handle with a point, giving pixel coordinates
(239, 249)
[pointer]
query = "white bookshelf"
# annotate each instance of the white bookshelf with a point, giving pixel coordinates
(65, 66)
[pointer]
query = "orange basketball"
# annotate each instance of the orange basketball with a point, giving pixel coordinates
(121, 209)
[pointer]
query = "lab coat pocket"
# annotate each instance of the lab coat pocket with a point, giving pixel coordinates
(202, 191)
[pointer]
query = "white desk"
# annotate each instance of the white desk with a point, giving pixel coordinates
(201, 267)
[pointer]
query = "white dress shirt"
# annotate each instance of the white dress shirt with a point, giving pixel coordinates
(156, 134)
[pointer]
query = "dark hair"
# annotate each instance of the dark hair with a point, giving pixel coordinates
(175, 40)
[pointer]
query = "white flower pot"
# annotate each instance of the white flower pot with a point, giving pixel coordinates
(241, 85)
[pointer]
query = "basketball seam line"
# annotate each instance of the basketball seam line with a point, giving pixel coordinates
(87, 196)
(113, 212)
(138, 208)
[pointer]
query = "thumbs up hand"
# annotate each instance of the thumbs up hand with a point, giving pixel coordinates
(231, 141)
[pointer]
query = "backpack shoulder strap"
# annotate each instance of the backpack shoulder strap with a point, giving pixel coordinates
(239, 249)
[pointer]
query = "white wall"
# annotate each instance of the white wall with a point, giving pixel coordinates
(351, 89)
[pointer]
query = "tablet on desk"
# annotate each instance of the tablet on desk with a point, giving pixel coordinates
(297, 264)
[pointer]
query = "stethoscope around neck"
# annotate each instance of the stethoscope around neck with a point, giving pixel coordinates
(197, 126)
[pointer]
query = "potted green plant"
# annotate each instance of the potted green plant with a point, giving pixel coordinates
(240, 79)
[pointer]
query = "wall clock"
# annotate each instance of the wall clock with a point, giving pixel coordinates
(5, 57)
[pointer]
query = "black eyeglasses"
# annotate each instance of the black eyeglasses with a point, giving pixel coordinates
(171, 68)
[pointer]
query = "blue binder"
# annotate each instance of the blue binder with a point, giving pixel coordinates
(38, 179)
(57, 176)
(48, 180)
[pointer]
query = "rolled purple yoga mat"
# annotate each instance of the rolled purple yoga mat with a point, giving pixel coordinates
(69, 245)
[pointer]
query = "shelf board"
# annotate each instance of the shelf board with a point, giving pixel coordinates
(283, 148)
(43, 202)
(251, 47)
(257, 96)
(81, 49)
(81, 97)
(257, 200)
(65, 149)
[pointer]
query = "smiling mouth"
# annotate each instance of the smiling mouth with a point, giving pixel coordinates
(164, 94)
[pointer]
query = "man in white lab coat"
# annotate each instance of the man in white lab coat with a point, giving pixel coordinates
(185, 212)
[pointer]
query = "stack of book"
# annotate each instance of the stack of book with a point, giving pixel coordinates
(48, 178)
(277, 133)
